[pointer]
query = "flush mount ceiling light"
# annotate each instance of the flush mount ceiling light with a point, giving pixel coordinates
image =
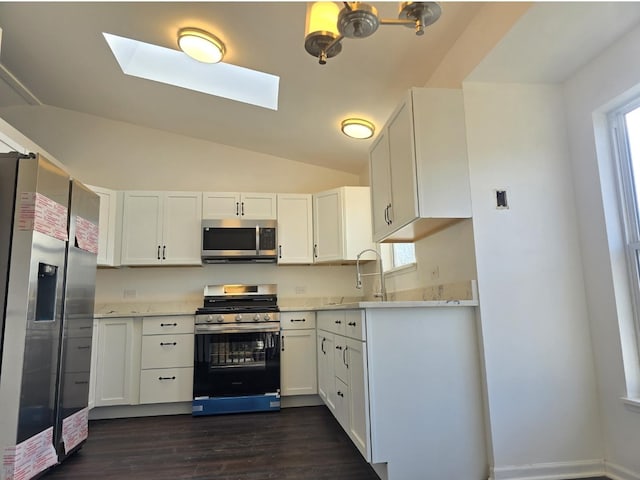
(201, 45)
(327, 25)
(357, 128)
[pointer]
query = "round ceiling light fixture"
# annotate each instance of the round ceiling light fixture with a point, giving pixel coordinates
(357, 128)
(201, 45)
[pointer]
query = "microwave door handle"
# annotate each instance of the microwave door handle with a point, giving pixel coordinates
(257, 240)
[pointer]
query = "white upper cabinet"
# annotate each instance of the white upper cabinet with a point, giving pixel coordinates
(419, 172)
(109, 226)
(295, 228)
(161, 228)
(250, 206)
(342, 224)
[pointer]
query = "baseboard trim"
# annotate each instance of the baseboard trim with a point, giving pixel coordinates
(616, 472)
(550, 471)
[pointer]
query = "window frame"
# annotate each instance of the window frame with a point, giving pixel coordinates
(629, 203)
(388, 254)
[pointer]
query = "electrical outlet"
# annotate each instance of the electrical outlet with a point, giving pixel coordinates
(501, 199)
(435, 273)
(129, 293)
(301, 290)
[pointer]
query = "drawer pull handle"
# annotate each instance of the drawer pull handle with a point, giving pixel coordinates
(85, 347)
(298, 319)
(340, 394)
(352, 324)
(338, 322)
(168, 324)
(167, 378)
(164, 344)
(80, 383)
(338, 347)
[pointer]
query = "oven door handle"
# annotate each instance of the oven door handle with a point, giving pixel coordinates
(238, 328)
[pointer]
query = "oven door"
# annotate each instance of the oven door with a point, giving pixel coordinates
(236, 360)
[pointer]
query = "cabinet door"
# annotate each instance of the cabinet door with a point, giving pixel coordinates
(326, 374)
(380, 181)
(340, 358)
(220, 205)
(341, 411)
(142, 228)
(258, 206)
(327, 226)
(109, 224)
(116, 364)
(358, 424)
(295, 228)
(298, 362)
(181, 232)
(404, 195)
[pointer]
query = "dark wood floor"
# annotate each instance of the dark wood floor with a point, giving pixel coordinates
(293, 444)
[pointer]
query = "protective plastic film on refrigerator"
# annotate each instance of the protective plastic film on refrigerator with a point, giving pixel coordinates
(48, 246)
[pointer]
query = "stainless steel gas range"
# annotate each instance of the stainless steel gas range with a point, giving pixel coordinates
(237, 350)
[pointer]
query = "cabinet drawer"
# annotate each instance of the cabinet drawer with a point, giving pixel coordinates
(162, 351)
(332, 321)
(355, 324)
(166, 385)
(168, 324)
(297, 320)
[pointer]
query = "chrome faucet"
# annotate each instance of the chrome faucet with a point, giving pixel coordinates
(382, 295)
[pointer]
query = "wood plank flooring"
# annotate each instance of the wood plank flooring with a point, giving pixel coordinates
(293, 444)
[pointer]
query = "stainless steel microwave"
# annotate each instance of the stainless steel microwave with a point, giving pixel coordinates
(239, 241)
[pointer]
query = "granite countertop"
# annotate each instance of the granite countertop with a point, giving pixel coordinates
(160, 309)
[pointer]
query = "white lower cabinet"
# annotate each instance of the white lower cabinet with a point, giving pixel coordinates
(326, 371)
(167, 359)
(298, 372)
(142, 360)
(342, 372)
(117, 362)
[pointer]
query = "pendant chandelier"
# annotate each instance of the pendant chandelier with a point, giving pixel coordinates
(327, 24)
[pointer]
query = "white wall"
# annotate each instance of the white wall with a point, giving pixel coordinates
(541, 387)
(450, 252)
(128, 157)
(600, 85)
(185, 284)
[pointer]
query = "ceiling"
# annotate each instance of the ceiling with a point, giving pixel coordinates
(57, 51)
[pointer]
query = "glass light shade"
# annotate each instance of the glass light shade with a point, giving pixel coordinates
(357, 128)
(322, 17)
(201, 45)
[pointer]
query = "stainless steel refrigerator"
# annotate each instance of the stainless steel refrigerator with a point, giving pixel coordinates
(48, 250)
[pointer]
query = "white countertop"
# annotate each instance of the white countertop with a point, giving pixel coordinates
(116, 310)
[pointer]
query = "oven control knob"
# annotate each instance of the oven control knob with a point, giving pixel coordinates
(209, 318)
(220, 319)
(238, 318)
(267, 317)
(256, 317)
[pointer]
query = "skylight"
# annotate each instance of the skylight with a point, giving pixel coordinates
(173, 67)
